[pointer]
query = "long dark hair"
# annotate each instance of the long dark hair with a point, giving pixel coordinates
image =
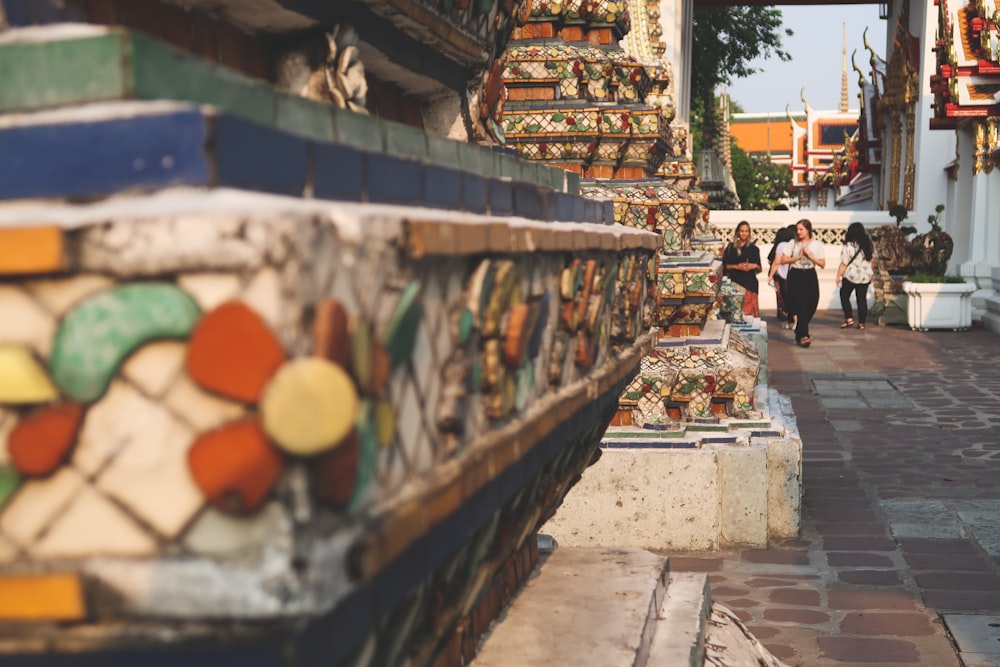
(857, 235)
(782, 235)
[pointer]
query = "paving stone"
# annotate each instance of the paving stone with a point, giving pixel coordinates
(868, 650)
(901, 625)
(847, 559)
(946, 562)
(869, 599)
(742, 603)
(850, 528)
(694, 564)
(765, 582)
(937, 546)
(795, 596)
(798, 616)
(976, 635)
(870, 577)
(940, 530)
(958, 581)
(776, 557)
(857, 543)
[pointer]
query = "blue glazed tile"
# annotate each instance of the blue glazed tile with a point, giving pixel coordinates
(580, 213)
(720, 441)
(528, 201)
(103, 157)
(398, 579)
(442, 187)
(501, 197)
(474, 193)
(511, 480)
(392, 180)
(562, 207)
(36, 12)
(448, 536)
(256, 157)
(484, 504)
(338, 172)
(765, 434)
(336, 635)
(705, 420)
(608, 212)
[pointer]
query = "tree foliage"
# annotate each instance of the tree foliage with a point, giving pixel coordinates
(725, 41)
(760, 184)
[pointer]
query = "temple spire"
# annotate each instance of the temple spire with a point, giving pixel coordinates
(843, 76)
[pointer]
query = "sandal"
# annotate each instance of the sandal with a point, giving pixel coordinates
(805, 342)
(849, 322)
(861, 327)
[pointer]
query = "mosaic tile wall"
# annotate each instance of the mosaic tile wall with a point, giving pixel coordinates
(265, 411)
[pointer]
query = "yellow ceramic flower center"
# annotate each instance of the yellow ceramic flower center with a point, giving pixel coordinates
(309, 406)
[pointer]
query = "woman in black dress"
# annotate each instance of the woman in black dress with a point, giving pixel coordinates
(741, 264)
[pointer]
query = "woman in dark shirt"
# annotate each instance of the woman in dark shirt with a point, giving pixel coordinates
(741, 263)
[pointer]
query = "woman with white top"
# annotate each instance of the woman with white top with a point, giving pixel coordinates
(777, 274)
(855, 273)
(804, 256)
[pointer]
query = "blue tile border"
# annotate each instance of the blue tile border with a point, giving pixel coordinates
(199, 147)
(81, 160)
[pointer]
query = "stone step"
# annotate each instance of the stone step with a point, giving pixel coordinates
(105, 148)
(583, 606)
(681, 624)
(617, 607)
(69, 64)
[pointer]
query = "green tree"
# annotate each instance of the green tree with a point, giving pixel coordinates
(725, 41)
(760, 184)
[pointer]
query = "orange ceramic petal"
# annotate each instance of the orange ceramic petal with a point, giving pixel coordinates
(40, 442)
(233, 353)
(235, 466)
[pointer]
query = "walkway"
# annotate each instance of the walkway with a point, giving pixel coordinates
(899, 559)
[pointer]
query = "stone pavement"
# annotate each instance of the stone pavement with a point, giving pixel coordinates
(899, 557)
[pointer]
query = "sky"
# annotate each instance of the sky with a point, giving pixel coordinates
(816, 49)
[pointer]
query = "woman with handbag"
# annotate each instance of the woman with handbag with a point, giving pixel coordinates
(855, 274)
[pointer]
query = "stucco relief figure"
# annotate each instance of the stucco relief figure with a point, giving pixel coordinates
(339, 79)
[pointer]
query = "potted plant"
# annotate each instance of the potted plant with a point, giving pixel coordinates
(935, 300)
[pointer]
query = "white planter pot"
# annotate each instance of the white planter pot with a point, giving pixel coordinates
(938, 305)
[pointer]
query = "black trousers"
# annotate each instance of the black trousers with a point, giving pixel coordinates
(860, 291)
(803, 291)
